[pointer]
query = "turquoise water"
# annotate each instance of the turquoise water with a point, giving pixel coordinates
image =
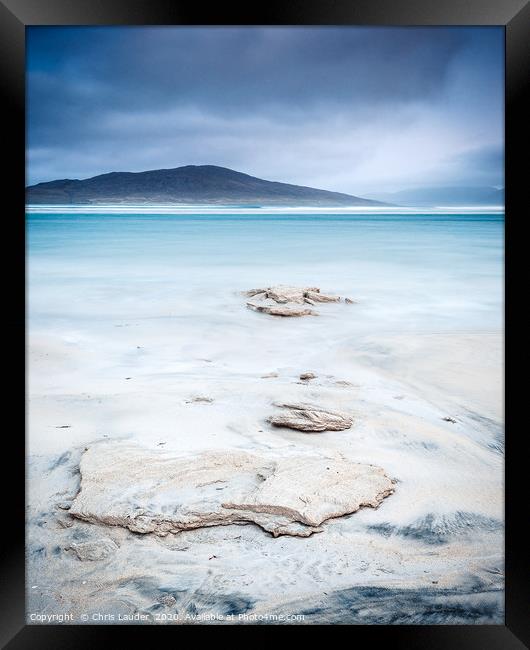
(406, 271)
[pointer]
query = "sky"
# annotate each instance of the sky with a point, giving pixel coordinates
(359, 110)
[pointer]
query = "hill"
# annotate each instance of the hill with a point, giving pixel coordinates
(192, 184)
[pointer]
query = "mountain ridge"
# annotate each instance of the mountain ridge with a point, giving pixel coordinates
(189, 184)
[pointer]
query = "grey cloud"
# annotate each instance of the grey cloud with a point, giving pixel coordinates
(319, 106)
(233, 70)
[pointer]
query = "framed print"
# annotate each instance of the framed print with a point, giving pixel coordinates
(262, 289)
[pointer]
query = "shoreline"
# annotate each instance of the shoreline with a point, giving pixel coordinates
(197, 210)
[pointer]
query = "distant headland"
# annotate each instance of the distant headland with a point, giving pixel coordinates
(192, 184)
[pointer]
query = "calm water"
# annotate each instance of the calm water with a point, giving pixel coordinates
(408, 271)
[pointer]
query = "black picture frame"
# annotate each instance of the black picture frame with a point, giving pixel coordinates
(15, 15)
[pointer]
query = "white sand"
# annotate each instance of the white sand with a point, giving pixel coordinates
(441, 530)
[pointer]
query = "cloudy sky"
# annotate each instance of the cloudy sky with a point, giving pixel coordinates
(352, 109)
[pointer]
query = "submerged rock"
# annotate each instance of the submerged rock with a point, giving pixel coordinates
(152, 491)
(310, 418)
(270, 297)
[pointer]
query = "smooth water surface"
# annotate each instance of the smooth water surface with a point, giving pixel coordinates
(408, 272)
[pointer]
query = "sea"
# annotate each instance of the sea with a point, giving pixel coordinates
(406, 272)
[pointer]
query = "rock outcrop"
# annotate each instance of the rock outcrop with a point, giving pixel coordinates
(310, 418)
(267, 300)
(153, 491)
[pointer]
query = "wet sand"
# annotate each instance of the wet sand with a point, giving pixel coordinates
(430, 553)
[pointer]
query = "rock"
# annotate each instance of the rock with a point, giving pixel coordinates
(448, 419)
(282, 295)
(282, 311)
(349, 301)
(97, 549)
(168, 600)
(316, 296)
(200, 399)
(306, 417)
(254, 292)
(154, 491)
(269, 375)
(305, 376)
(270, 297)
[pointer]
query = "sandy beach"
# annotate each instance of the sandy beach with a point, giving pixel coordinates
(203, 373)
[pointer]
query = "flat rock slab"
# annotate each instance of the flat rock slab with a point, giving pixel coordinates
(279, 300)
(310, 418)
(154, 491)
